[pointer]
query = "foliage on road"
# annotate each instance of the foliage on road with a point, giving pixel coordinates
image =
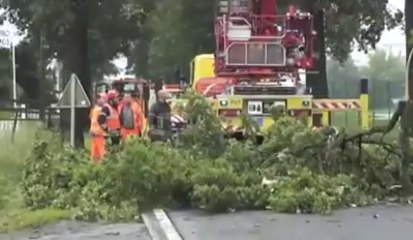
(303, 170)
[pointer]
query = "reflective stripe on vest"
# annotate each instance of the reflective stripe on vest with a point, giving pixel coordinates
(138, 114)
(95, 128)
(113, 119)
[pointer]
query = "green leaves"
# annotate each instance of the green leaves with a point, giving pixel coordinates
(180, 29)
(159, 37)
(113, 27)
(295, 170)
(362, 21)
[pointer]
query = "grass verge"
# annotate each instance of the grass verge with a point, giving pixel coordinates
(23, 219)
(6, 115)
(13, 214)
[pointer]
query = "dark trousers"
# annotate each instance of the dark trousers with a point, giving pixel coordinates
(159, 135)
(115, 141)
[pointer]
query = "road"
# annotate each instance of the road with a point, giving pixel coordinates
(373, 223)
(7, 126)
(70, 230)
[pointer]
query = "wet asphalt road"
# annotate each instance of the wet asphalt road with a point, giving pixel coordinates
(373, 223)
(69, 230)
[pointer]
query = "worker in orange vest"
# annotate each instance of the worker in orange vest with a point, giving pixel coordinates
(97, 130)
(140, 107)
(111, 114)
(131, 117)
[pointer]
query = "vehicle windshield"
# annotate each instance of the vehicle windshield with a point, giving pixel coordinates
(129, 87)
(101, 88)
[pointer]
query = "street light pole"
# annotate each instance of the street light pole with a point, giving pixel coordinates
(13, 53)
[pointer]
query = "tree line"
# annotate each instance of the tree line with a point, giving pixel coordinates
(384, 70)
(159, 37)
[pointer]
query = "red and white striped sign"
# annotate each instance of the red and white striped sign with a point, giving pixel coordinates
(330, 105)
(336, 104)
(355, 105)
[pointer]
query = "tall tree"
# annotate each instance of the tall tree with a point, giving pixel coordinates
(138, 59)
(77, 32)
(317, 80)
(386, 74)
(343, 79)
(5, 75)
(26, 75)
(187, 26)
(385, 65)
(340, 24)
(181, 29)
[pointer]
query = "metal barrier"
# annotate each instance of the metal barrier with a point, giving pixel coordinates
(325, 107)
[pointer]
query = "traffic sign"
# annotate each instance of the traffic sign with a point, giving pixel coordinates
(73, 96)
(74, 87)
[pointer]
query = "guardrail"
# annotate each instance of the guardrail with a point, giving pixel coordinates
(322, 108)
(11, 114)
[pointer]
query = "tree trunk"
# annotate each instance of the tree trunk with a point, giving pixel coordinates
(406, 129)
(76, 61)
(141, 68)
(318, 82)
(408, 11)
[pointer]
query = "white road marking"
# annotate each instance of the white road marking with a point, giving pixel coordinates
(166, 225)
(151, 228)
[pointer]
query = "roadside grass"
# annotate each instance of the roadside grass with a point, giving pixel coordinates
(6, 115)
(24, 219)
(13, 214)
(350, 120)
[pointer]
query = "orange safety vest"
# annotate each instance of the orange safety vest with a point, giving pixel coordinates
(139, 103)
(137, 114)
(112, 120)
(95, 127)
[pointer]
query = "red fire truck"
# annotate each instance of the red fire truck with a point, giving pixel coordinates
(257, 61)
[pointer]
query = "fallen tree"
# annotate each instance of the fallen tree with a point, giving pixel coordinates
(296, 169)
